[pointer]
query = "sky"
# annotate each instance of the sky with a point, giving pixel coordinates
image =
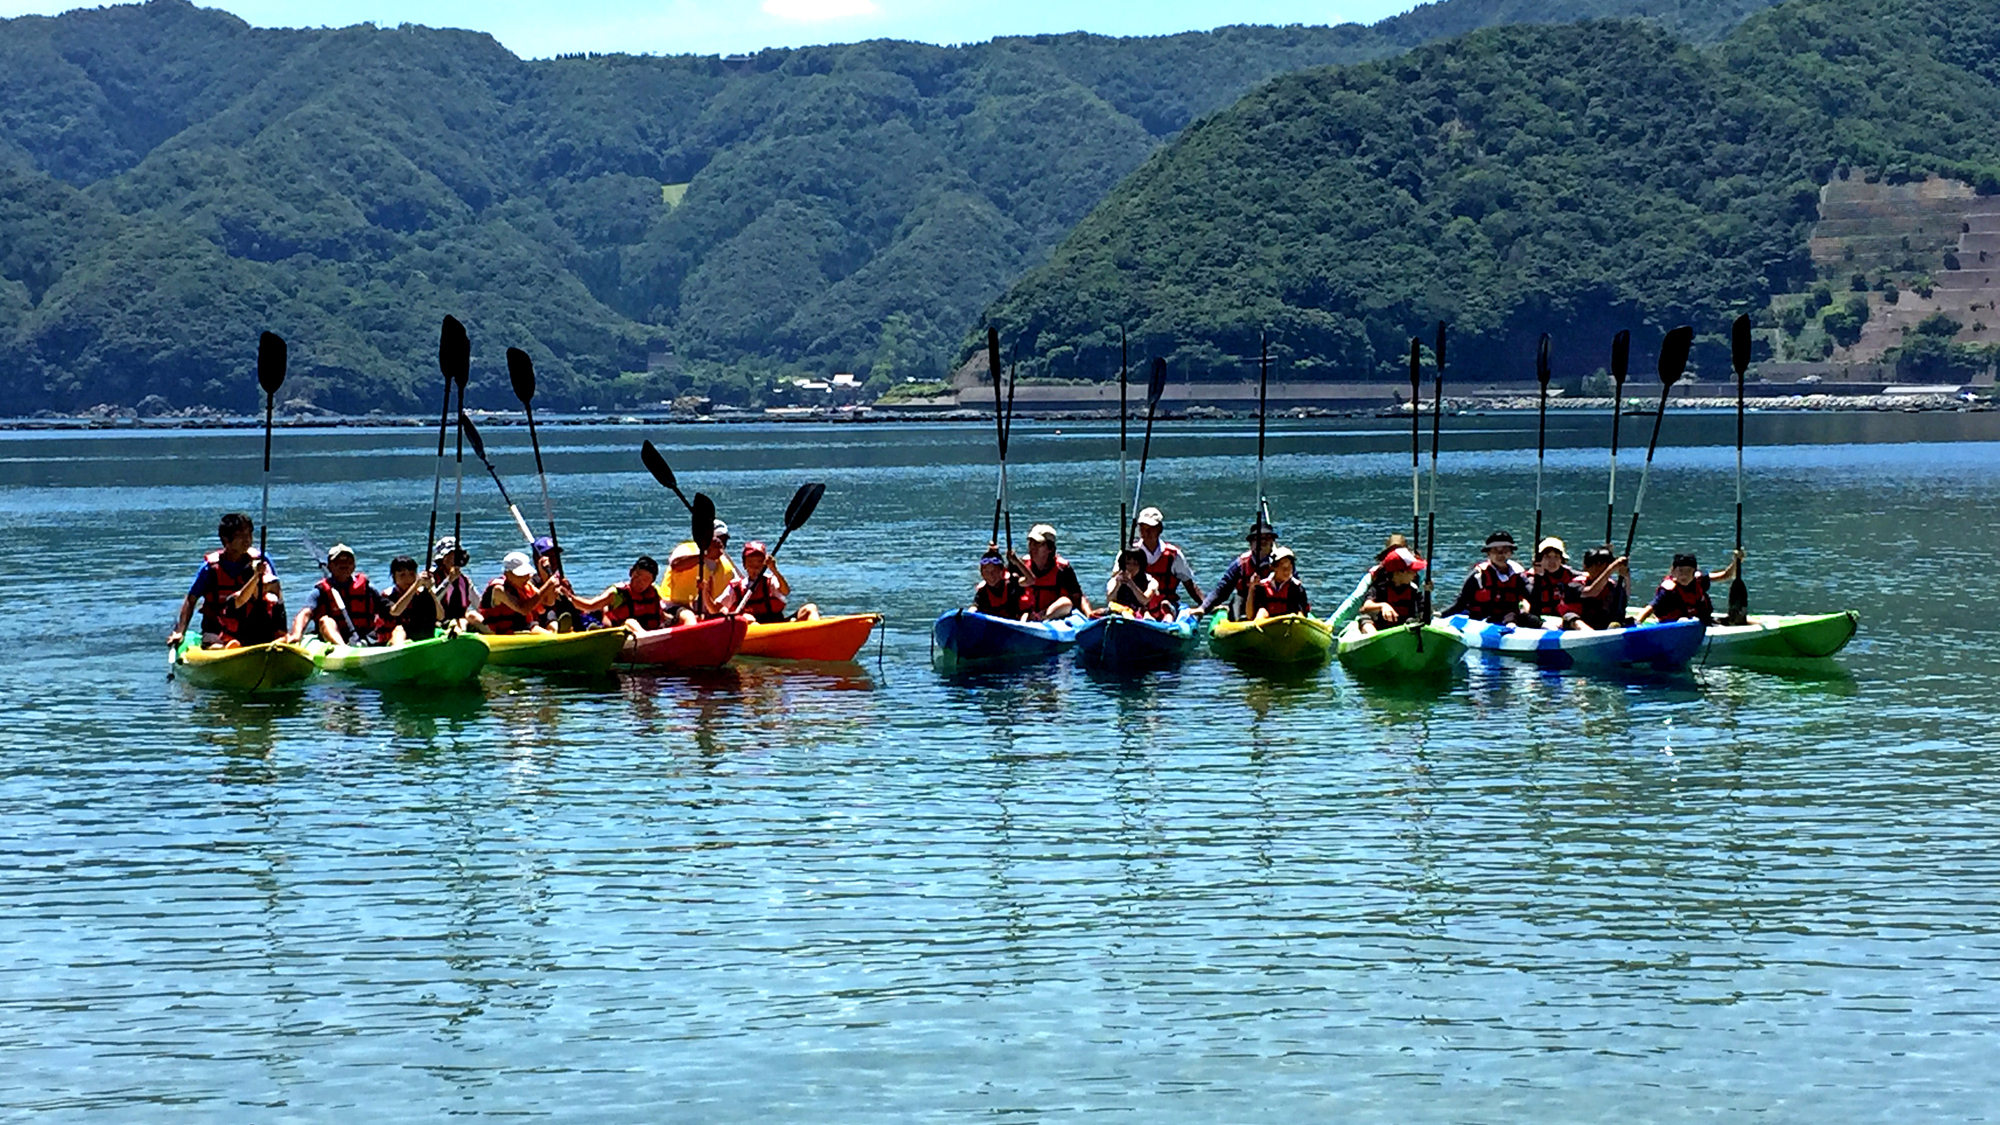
(542, 28)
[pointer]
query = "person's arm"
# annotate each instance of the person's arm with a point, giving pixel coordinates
(1224, 586)
(732, 597)
(1728, 573)
(1593, 589)
(784, 588)
(601, 601)
(1183, 575)
(179, 631)
(1465, 597)
(1075, 587)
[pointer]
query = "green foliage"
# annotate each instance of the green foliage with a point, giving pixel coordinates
(1843, 324)
(1939, 325)
(1933, 358)
(1792, 318)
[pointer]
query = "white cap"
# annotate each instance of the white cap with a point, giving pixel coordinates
(1043, 532)
(337, 550)
(1151, 517)
(517, 564)
(721, 529)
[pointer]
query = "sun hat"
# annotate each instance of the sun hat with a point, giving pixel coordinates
(517, 564)
(1043, 533)
(1283, 553)
(1561, 548)
(1260, 528)
(1151, 517)
(1499, 538)
(1394, 541)
(721, 530)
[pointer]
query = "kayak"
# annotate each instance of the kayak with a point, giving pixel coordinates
(441, 661)
(1291, 638)
(1118, 643)
(1662, 645)
(963, 640)
(1401, 650)
(1771, 637)
(704, 644)
(265, 667)
(591, 651)
(829, 639)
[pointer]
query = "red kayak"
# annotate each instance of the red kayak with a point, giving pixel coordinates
(705, 644)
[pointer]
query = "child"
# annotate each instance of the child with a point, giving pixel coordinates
(237, 591)
(1393, 595)
(346, 589)
(511, 603)
(635, 603)
(412, 611)
(1134, 590)
(761, 591)
(1684, 592)
(1282, 592)
(999, 593)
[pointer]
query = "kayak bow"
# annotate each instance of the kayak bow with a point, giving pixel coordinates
(964, 640)
(588, 652)
(829, 639)
(1291, 638)
(1774, 638)
(440, 661)
(266, 667)
(704, 644)
(1120, 643)
(1395, 650)
(1663, 646)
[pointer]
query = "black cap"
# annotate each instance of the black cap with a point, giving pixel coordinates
(1498, 538)
(1261, 527)
(1685, 560)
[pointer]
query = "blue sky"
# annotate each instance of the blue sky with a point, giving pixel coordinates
(541, 28)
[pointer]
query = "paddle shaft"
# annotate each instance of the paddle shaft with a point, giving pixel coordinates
(437, 478)
(1541, 457)
(1437, 421)
(1639, 500)
(1138, 489)
(1740, 346)
(548, 507)
(458, 485)
(1416, 441)
(1611, 498)
(264, 513)
(1000, 433)
(1124, 378)
(1263, 390)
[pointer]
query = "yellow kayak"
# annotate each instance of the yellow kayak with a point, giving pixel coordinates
(1291, 638)
(591, 652)
(265, 667)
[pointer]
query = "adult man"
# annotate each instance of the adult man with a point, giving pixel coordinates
(237, 590)
(1164, 561)
(1245, 570)
(1050, 582)
(697, 578)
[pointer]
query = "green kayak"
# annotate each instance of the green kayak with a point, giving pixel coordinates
(1401, 651)
(1289, 639)
(265, 667)
(438, 662)
(1772, 638)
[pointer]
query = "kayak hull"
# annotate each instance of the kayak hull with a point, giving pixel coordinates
(829, 639)
(1291, 639)
(963, 640)
(1662, 646)
(1117, 643)
(1403, 651)
(267, 667)
(704, 644)
(1771, 637)
(441, 661)
(589, 652)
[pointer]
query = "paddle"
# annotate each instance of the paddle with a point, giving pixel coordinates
(1621, 358)
(1124, 377)
(804, 503)
(1739, 355)
(1542, 435)
(1416, 440)
(470, 433)
(1002, 424)
(703, 530)
(326, 572)
(521, 370)
(454, 354)
(1155, 387)
(271, 358)
(1262, 514)
(1673, 361)
(662, 472)
(1437, 417)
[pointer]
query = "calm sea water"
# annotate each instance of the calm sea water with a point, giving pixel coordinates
(866, 893)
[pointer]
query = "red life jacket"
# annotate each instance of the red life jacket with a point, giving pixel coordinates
(1155, 605)
(641, 606)
(1553, 595)
(362, 608)
(1497, 592)
(1280, 600)
(1606, 606)
(230, 619)
(1008, 600)
(1044, 590)
(1673, 601)
(759, 598)
(1162, 568)
(500, 618)
(1402, 597)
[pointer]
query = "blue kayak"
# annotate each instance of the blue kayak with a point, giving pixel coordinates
(1117, 643)
(1663, 646)
(963, 640)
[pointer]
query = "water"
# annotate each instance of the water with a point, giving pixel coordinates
(866, 893)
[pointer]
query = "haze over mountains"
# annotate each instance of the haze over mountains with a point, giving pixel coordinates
(173, 181)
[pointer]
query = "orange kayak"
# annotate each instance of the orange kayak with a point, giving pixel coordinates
(828, 638)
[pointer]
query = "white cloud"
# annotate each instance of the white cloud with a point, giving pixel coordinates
(816, 11)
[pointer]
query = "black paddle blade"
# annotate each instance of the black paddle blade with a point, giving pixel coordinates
(1739, 353)
(472, 437)
(1542, 361)
(657, 465)
(1621, 356)
(1158, 384)
(270, 362)
(454, 352)
(1739, 601)
(804, 503)
(521, 370)
(1440, 346)
(704, 521)
(1416, 366)
(1674, 354)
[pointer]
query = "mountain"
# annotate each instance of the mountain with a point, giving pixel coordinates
(1575, 179)
(173, 181)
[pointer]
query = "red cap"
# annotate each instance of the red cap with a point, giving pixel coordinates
(754, 547)
(1402, 559)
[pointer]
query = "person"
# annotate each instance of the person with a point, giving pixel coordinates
(1053, 591)
(1497, 588)
(451, 587)
(1606, 580)
(1393, 597)
(512, 603)
(1164, 561)
(1247, 568)
(1134, 590)
(343, 610)
(636, 603)
(1281, 592)
(1555, 589)
(999, 593)
(1684, 592)
(562, 612)
(696, 579)
(238, 592)
(410, 610)
(761, 590)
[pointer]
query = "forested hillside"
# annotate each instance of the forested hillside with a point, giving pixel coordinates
(172, 181)
(1576, 180)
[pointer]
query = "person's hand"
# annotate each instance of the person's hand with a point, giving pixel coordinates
(174, 638)
(424, 581)
(1389, 615)
(1737, 555)
(1621, 564)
